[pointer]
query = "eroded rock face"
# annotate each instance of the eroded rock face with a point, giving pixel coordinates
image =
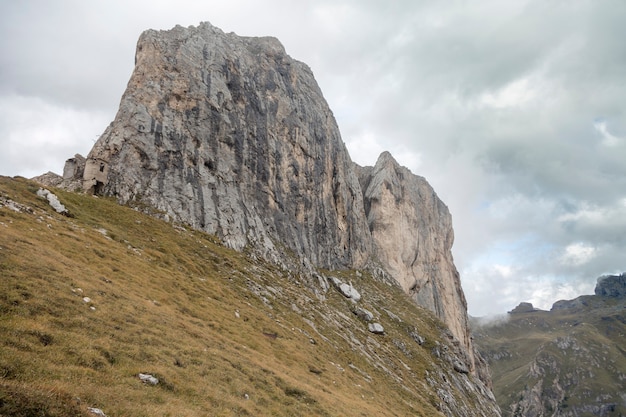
(612, 286)
(232, 136)
(412, 235)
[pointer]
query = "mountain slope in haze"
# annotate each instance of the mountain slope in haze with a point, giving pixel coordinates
(92, 299)
(569, 361)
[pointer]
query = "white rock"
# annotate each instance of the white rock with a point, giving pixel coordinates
(349, 291)
(148, 379)
(96, 411)
(376, 328)
(87, 299)
(53, 200)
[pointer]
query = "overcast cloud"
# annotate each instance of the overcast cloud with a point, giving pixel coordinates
(514, 111)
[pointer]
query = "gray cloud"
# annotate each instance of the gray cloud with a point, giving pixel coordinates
(512, 110)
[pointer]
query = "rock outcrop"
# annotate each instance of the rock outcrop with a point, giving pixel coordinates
(523, 307)
(611, 286)
(412, 236)
(232, 136)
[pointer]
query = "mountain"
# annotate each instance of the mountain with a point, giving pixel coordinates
(106, 310)
(232, 136)
(569, 361)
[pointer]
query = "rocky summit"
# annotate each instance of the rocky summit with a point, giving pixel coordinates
(232, 136)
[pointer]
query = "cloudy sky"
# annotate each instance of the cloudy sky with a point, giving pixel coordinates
(515, 111)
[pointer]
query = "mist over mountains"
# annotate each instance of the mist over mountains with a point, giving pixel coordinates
(568, 361)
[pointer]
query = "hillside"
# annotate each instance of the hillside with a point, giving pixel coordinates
(570, 361)
(91, 300)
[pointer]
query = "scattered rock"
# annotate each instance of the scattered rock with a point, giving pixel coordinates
(53, 200)
(363, 314)
(460, 366)
(418, 339)
(523, 308)
(376, 328)
(148, 379)
(86, 299)
(96, 411)
(393, 316)
(347, 290)
(15, 206)
(611, 286)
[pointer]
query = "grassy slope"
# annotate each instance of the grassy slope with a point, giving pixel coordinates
(225, 334)
(585, 344)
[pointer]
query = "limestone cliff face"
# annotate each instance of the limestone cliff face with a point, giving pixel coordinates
(412, 235)
(232, 136)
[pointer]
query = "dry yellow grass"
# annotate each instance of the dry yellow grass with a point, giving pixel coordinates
(226, 335)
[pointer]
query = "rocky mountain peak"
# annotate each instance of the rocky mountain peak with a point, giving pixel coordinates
(385, 159)
(523, 307)
(611, 286)
(232, 136)
(412, 235)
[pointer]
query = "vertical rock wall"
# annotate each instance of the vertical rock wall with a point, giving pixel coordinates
(412, 235)
(232, 136)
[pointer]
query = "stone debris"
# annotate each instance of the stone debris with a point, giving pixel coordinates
(350, 292)
(460, 366)
(363, 314)
(96, 411)
(15, 206)
(418, 339)
(376, 328)
(148, 379)
(347, 290)
(53, 200)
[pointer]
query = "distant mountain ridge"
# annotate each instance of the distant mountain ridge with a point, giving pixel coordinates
(566, 362)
